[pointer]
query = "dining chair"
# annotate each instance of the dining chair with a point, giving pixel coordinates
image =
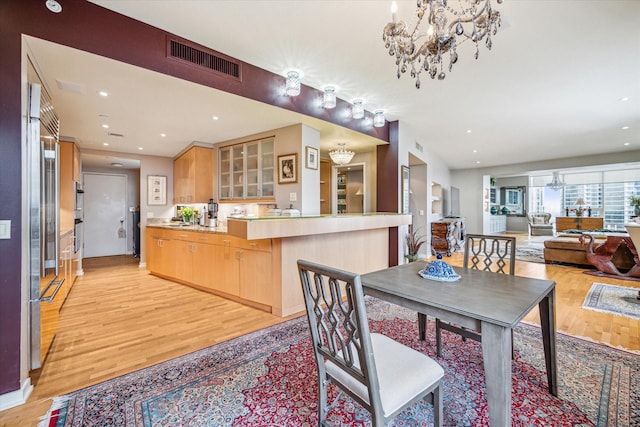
(493, 253)
(381, 374)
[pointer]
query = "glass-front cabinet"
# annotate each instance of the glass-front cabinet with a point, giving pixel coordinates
(247, 170)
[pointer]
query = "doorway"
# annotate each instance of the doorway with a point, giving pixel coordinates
(349, 188)
(105, 219)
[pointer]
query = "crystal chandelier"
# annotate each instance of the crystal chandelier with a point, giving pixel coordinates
(449, 23)
(292, 87)
(555, 183)
(341, 156)
(329, 97)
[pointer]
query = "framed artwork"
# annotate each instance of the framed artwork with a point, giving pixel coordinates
(288, 169)
(156, 190)
(311, 158)
(404, 181)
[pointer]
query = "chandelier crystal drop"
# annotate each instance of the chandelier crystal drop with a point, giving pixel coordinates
(446, 24)
(341, 156)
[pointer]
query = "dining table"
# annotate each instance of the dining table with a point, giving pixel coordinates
(487, 302)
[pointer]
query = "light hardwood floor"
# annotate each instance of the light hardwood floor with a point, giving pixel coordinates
(118, 319)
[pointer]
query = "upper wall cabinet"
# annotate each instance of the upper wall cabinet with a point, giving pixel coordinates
(193, 176)
(247, 171)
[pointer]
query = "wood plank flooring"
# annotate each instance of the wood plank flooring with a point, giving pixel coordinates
(118, 319)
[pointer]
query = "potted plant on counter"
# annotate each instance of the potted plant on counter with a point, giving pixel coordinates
(414, 242)
(187, 213)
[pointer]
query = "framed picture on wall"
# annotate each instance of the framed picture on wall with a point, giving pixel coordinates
(156, 190)
(288, 168)
(311, 158)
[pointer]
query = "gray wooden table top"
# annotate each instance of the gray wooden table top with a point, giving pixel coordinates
(490, 297)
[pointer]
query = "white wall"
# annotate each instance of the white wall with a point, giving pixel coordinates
(409, 142)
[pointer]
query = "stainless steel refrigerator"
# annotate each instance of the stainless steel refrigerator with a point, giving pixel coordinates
(44, 231)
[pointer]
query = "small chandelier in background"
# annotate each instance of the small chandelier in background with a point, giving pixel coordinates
(446, 27)
(555, 183)
(357, 109)
(292, 87)
(329, 98)
(378, 118)
(341, 156)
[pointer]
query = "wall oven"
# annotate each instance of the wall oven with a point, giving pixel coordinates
(77, 235)
(78, 201)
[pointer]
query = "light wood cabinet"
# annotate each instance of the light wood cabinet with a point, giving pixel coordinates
(247, 171)
(578, 223)
(161, 251)
(69, 175)
(230, 266)
(193, 176)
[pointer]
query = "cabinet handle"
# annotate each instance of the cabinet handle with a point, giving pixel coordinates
(226, 241)
(253, 244)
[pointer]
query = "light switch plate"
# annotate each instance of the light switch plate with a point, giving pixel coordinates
(5, 229)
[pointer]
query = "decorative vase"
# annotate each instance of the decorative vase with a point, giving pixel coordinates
(505, 210)
(494, 210)
(186, 218)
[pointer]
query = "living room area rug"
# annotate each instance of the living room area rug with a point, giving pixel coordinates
(619, 300)
(530, 253)
(269, 378)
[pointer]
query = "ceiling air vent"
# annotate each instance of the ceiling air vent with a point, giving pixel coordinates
(205, 58)
(116, 135)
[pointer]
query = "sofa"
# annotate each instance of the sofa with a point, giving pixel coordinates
(540, 224)
(567, 249)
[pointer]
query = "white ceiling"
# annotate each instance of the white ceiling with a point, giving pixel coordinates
(550, 87)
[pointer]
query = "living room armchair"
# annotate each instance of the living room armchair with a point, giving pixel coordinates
(540, 224)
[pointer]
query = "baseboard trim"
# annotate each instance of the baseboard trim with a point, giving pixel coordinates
(17, 397)
(142, 265)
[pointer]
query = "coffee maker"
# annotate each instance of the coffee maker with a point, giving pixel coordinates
(212, 212)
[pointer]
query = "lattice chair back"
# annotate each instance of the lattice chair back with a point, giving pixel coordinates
(378, 372)
(490, 253)
(339, 326)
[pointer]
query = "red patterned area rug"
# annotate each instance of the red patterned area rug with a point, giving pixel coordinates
(268, 378)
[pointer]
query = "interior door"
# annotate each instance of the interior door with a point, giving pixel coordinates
(105, 218)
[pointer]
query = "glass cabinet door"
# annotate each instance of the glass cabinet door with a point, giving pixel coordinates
(225, 173)
(251, 150)
(237, 153)
(267, 187)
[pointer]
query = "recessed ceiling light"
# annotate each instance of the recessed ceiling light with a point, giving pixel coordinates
(140, 148)
(468, 130)
(478, 162)
(53, 6)
(163, 135)
(105, 126)
(103, 93)
(625, 127)
(626, 144)
(625, 99)
(106, 144)
(475, 151)
(215, 117)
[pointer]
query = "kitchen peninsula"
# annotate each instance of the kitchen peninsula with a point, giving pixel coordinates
(254, 259)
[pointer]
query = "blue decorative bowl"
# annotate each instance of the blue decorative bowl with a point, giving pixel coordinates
(439, 270)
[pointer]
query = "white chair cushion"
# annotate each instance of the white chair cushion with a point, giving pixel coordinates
(403, 373)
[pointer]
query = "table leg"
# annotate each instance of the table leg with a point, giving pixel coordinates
(422, 326)
(496, 355)
(547, 311)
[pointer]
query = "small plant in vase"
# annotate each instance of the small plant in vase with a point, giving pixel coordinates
(187, 213)
(414, 242)
(635, 202)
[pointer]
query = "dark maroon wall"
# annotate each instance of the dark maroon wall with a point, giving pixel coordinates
(10, 205)
(91, 28)
(387, 185)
